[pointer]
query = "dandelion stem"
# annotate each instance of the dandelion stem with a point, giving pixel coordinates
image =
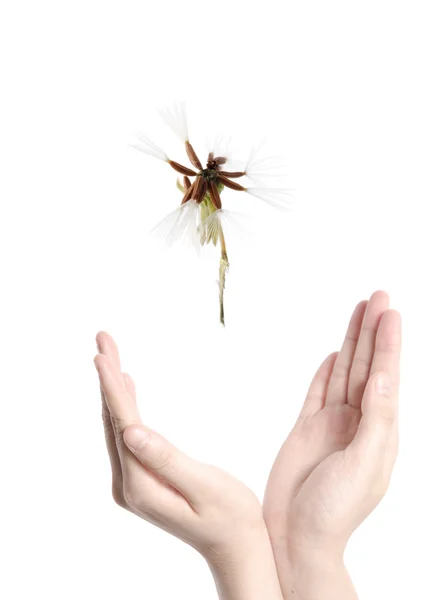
(222, 244)
(223, 269)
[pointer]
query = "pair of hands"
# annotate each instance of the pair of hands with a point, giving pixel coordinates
(330, 473)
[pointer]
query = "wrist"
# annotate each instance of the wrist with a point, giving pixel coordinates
(315, 576)
(246, 570)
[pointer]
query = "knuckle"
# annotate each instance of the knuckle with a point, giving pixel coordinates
(361, 363)
(118, 424)
(386, 409)
(388, 415)
(352, 335)
(340, 370)
(390, 345)
(163, 462)
(119, 441)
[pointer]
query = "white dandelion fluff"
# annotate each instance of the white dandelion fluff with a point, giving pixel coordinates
(145, 145)
(226, 221)
(278, 198)
(175, 117)
(182, 224)
(257, 167)
(211, 228)
(220, 147)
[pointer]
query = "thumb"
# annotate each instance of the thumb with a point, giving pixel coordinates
(159, 456)
(378, 425)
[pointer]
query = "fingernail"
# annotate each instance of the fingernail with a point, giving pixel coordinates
(383, 384)
(136, 438)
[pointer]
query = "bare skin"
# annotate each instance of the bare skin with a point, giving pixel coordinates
(198, 503)
(331, 472)
(336, 464)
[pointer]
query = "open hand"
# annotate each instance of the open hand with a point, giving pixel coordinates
(201, 504)
(336, 464)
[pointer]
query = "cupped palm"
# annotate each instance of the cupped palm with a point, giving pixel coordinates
(336, 464)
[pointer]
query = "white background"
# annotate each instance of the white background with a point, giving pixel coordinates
(338, 90)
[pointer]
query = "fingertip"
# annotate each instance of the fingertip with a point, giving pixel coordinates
(96, 361)
(392, 315)
(388, 339)
(328, 363)
(127, 378)
(356, 319)
(107, 346)
(391, 321)
(100, 361)
(101, 339)
(380, 295)
(136, 437)
(362, 305)
(317, 391)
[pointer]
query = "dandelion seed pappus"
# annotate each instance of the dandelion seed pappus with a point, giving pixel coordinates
(200, 216)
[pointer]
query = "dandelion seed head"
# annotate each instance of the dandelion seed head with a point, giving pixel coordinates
(200, 219)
